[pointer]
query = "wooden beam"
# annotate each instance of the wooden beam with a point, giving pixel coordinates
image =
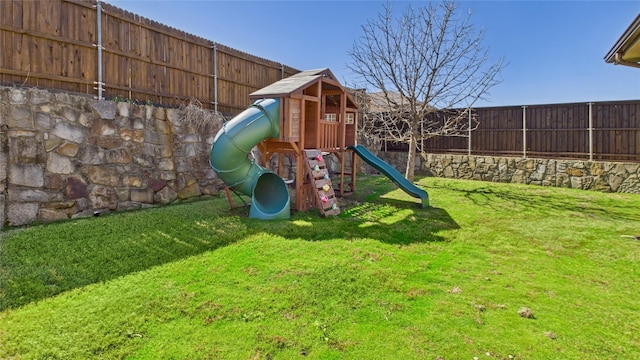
(299, 182)
(284, 111)
(279, 147)
(342, 133)
(300, 156)
(232, 205)
(332, 82)
(343, 120)
(296, 148)
(263, 152)
(354, 170)
(28, 74)
(332, 92)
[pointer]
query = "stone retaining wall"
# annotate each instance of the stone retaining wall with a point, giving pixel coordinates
(587, 175)
(64, 156)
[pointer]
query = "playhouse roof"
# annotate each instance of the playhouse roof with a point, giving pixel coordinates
(293, 83)
(301, 81)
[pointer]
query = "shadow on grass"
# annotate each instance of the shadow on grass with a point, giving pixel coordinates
(384, 222)
(370, 215)
(40, 261)
(544, 200)
(378, 211)
(44, 260)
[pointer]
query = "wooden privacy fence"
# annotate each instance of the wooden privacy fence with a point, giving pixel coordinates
(90, 47)
(608, 131)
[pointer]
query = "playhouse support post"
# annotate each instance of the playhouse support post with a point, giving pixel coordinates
(300, 199)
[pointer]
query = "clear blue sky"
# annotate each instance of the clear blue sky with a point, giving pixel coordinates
(555, 49)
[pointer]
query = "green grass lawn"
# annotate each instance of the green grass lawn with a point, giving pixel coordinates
(383, 280)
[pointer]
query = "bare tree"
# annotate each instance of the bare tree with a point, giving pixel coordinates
(425, 61)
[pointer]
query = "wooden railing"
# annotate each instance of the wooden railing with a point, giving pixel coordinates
(329, 135)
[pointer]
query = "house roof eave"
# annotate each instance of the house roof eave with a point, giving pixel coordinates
(626, 51)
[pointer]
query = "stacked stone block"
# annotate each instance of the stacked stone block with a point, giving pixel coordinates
(578, 174)
(64, 156)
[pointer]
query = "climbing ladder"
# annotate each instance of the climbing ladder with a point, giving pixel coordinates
(319, 180)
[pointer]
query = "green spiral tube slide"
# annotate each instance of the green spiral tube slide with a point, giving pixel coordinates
(230, 160)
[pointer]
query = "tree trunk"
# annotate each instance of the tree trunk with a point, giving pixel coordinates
(411, 158)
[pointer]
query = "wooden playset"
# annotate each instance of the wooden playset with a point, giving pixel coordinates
(317, 118)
